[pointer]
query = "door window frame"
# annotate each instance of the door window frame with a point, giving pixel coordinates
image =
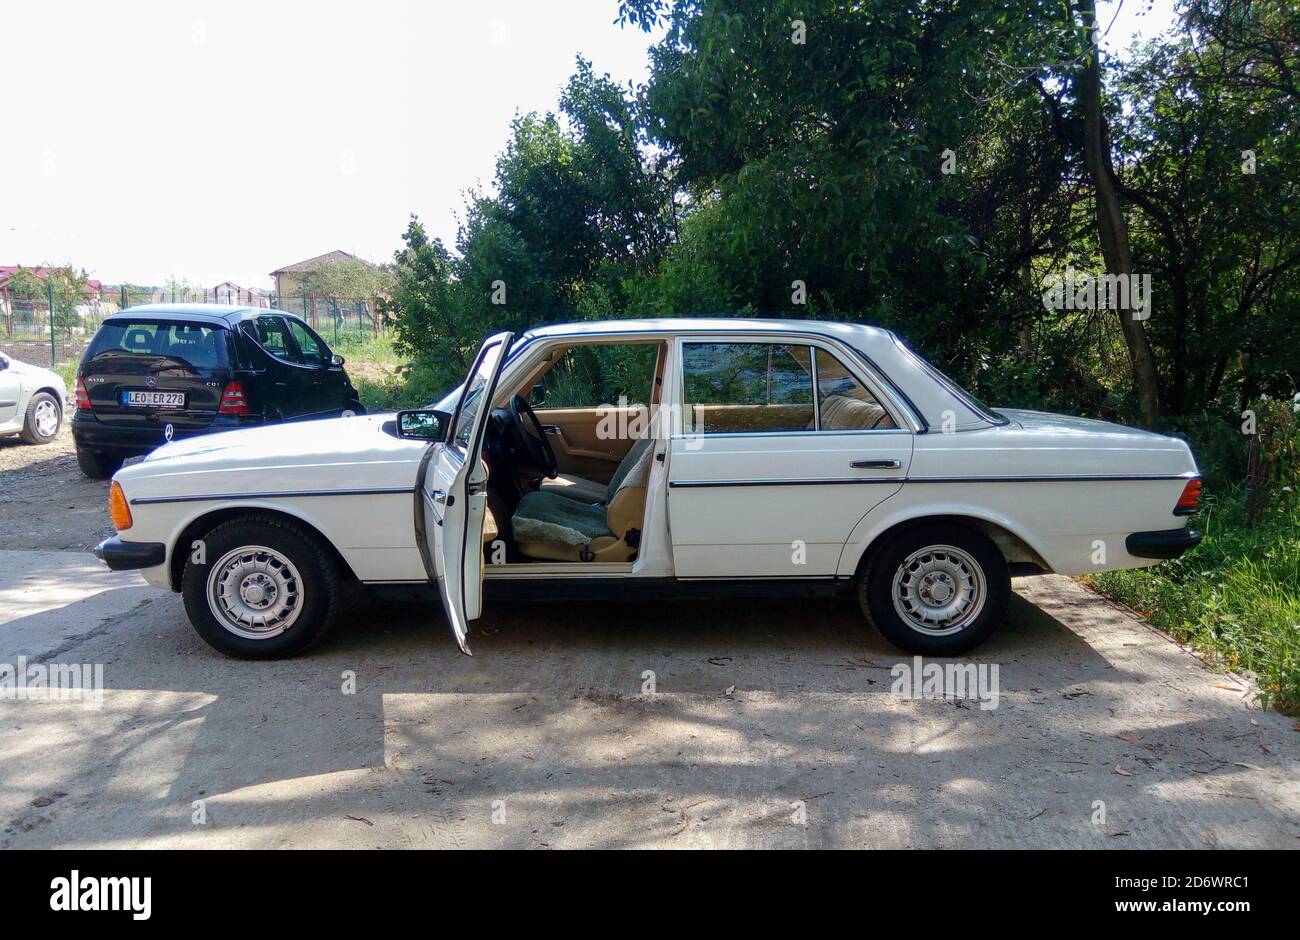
(902, 418)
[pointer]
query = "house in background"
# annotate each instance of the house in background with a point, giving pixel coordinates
(289, 280)
(227, 292)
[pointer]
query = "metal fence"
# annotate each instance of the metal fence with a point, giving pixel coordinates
(338, 321)
(26, 334)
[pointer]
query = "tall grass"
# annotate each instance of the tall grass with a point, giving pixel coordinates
(1236, 597)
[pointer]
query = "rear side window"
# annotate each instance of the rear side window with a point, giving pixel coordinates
(746, 387)
(287, 340)
(195, 344)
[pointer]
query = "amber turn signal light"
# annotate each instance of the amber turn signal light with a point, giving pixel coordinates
(118, 510)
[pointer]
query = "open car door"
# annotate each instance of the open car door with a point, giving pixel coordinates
(453, 494)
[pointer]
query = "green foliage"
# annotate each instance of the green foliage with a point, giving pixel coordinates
(420, 308)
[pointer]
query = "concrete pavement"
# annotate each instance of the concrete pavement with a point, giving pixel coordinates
(773, 725)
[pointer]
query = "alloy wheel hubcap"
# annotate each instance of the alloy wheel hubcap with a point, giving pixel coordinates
(46, 419)
(255, 592)
(939, 590)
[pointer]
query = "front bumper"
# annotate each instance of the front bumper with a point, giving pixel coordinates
(128, 556)
(1166, 544)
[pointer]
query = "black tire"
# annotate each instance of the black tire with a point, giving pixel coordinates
(355, 407)
(876, 588)
(318, 582)
(30, 432)
(96, 465)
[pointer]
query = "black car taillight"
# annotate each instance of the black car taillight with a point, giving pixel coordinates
(83, 396)
(233, 401)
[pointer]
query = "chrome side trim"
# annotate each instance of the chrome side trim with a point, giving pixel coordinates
(1069, 478)
(1100, 478)
(687, 484)
(381, 491)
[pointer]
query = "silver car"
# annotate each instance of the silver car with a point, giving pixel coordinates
(32, 401)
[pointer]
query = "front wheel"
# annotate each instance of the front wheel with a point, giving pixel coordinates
(936, 590)
(260, 587)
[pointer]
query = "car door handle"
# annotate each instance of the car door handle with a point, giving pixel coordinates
(442, 499)
(875, 464)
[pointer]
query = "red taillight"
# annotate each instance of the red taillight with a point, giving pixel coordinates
(233, 401)
(83, 396)
(1190, 500)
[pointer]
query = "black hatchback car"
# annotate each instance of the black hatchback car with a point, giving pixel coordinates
(165, 371)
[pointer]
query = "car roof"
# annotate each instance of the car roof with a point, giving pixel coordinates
(848, 332)
(214, 314)
(931, 396)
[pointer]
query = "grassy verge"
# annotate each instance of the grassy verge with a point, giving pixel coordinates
(1236, 597)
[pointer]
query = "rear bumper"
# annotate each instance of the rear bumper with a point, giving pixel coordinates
(1167, 544)
(89, 433)
(128, 556)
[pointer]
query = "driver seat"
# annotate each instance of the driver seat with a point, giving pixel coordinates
(549, 526)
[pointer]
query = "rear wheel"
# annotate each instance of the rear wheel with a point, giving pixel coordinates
(261, 588)
(43, 420)
(97, 465)
(937, 590)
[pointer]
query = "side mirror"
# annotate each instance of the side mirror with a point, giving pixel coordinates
(537, 395)
(4, 362)
(423, 425)
(336, 361)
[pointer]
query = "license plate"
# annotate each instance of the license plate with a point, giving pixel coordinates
(135, 399)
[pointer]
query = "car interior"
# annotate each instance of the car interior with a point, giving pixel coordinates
(567, 478)
(568, 472)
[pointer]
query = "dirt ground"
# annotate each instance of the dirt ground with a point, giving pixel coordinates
(770, 724)
(45, 502)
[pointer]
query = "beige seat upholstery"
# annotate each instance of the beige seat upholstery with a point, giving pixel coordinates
(549, 526)
(841, 413)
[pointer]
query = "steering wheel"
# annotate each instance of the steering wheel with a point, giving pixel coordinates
(534, 442)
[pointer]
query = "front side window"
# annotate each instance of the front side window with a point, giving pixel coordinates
(599, 374)
(472, 400)
(311, 351)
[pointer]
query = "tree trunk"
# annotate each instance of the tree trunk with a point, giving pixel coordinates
(1111, 228)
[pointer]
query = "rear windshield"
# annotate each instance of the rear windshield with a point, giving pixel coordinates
(194, 344)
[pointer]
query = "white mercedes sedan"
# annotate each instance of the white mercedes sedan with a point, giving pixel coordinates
(738, 456)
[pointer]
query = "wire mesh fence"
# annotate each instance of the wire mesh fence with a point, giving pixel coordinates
(30, 333)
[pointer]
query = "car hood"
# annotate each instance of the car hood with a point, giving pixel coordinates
(335, 454)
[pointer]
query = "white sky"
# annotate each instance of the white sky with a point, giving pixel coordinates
(218, 141)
